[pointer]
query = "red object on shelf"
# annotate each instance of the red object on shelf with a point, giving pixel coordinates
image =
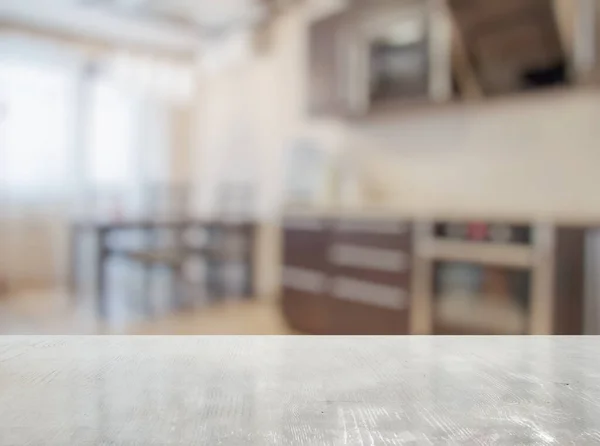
(477, 231)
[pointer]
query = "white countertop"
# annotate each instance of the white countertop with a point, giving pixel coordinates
(299, 390)
(381, 212)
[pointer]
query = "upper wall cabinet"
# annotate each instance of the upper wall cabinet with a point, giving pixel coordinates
(373, 54)
(381, 55)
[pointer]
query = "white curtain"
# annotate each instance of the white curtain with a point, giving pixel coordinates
(109, 147)
(110, 160)
(126, 148)
(36, 121)
(34, 129)
(63, 135)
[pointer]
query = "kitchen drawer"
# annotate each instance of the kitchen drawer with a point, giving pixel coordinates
(306, 312)
(355, 318)
(305, 243)
(380, 234)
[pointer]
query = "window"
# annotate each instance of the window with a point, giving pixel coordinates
(35, 125)
(111, 137)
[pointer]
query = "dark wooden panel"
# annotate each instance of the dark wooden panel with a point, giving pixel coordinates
(399, 279)
(306, 247)
(399, 243)
(306, 312)
(361, 317)
(316, 307)
(390, 241)
(448, 329)
(353, 318)
(569, 281)
(308, 254)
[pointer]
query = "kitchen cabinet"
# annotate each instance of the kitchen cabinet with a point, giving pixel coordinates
(347, 276)
(385, 275)
(376, 55)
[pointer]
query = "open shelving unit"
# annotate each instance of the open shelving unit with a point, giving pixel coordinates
(468, 282)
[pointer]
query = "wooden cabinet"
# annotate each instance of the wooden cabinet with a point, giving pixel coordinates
(384, 276)
(568, 281)
(305, 274)
(370, 266)
(386, 56)
(373, 56)
(347, 276)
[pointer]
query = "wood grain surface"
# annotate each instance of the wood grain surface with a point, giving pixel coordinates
(299, 390)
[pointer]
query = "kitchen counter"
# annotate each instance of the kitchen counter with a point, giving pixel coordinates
(373, 272)
(583, 220)
(299, 390)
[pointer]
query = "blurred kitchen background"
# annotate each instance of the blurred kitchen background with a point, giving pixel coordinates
(299, 166)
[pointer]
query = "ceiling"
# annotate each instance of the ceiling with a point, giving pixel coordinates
(168, 24)
(206, 15)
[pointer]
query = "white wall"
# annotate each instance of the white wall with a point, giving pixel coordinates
(255, 111)
(533, 155)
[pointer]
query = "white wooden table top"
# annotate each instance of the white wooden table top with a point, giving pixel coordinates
(299, 390)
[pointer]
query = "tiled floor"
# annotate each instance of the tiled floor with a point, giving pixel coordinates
(47, 312)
